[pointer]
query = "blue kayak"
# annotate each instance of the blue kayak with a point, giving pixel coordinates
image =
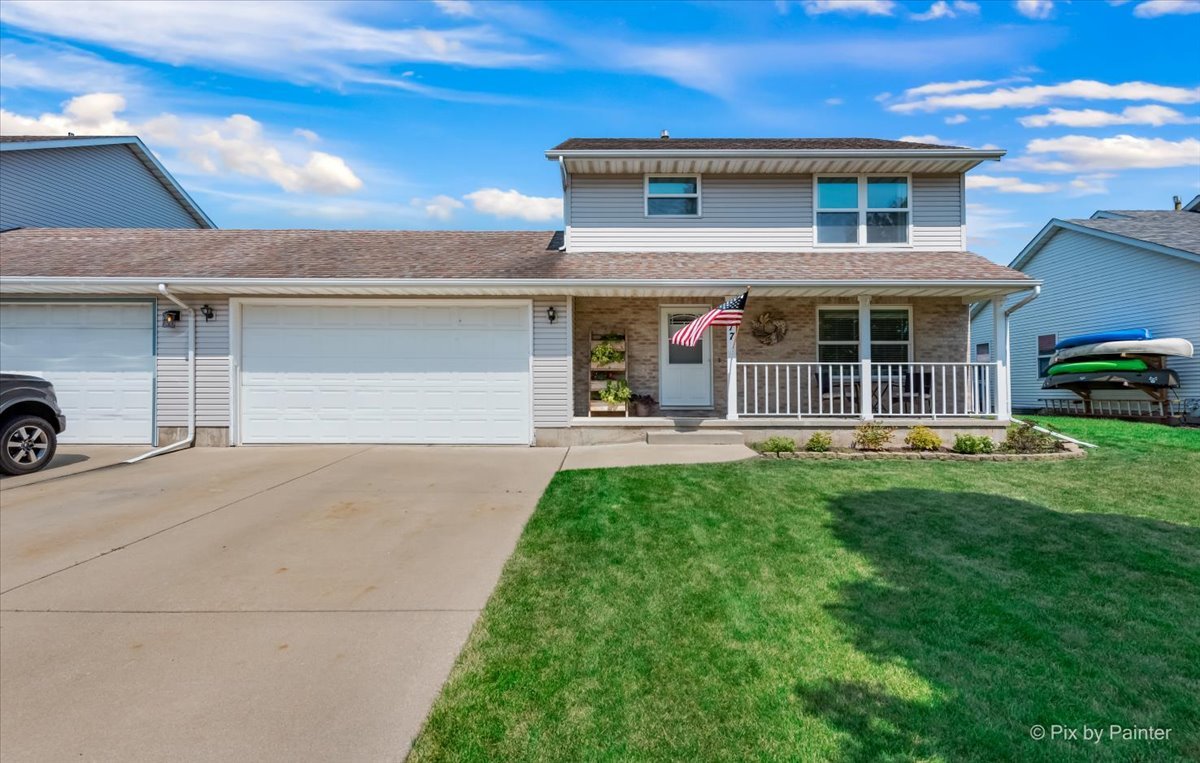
(1121, 335)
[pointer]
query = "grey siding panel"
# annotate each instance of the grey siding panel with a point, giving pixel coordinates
(551, 363)
(739, 213)
(85, 187)
(937, 209)
(1093, 284)
(212, 367)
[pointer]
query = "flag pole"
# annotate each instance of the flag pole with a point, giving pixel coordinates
(731, 401)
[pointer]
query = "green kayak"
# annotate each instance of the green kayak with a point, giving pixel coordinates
(1092, 366)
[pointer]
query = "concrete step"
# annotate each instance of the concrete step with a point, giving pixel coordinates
(695, 437)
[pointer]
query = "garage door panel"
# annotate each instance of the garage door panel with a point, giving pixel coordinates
(386, 373)
(99, 357)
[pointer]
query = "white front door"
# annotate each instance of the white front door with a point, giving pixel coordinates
(685, 373)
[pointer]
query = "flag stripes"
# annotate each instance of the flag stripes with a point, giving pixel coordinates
(728, 313)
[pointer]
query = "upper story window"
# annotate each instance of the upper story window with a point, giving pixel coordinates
(673, 196)
(862, 209)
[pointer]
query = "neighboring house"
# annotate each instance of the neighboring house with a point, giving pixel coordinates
(1118, 269)
(855, 246)
(89, 182)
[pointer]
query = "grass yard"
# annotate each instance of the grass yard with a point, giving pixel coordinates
(790, 610)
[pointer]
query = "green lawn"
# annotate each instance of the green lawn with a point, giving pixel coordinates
(789, 610)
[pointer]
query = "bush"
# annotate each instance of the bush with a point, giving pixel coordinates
(869, 436)
(923, 438)
(777, 445)
(616, 392)
(820, 442)
(1023, 438)
(605, 354)
(973, 443)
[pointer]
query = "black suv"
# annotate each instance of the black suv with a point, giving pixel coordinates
(30, 421)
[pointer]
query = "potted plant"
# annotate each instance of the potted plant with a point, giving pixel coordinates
(616, 393)
(643, 405)
(605, 354)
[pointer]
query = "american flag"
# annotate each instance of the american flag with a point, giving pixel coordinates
(726, 314)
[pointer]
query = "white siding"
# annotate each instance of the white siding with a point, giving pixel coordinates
(552, 363)
(1093, 284)
(85, 187)
(212, 366)
(739, 213)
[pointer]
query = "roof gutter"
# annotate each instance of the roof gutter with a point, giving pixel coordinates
(768, 153)
(190, 439)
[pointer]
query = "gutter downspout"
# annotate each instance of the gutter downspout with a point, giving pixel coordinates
(190, 440)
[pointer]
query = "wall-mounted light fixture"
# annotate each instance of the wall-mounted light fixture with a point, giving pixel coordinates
(207, 312)
(170, 319)
(551, 314)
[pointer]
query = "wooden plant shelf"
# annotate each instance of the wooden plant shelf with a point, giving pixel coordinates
(600, 376)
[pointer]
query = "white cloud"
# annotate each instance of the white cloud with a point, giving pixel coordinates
(924, 139)
(295, 41)
(984, 222)
(440, 207)
(1037, 95)
(957, 119)
(1155, 8)
(834, 101)
(1153, 115)
(1089, 185)
(941, 88)
(1009, 184)
(308, 135)
(1081, 153)
(512, 203)
(234, 145)
(966, 6)
(869, 7)
(60, 69)
(1035, 9)
(456, 8)
(942, 9)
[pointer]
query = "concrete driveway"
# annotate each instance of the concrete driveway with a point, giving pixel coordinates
(290, 603)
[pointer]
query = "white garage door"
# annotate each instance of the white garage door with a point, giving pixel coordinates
(433, 372)
(100, 358)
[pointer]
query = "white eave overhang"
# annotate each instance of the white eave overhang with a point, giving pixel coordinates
(763, 161)
(968, 290)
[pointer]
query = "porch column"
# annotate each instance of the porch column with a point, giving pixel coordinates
(731, 411)
(1000, 356)
(864, 357)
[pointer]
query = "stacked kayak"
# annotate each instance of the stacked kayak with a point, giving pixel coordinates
(1122, 359)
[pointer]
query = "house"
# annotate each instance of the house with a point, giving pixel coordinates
(854, 247)
(1117, 269)
(89, 182)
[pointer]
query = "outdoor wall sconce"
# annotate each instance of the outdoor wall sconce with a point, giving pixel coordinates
(551, 314)
(170, 319)
(207, 312)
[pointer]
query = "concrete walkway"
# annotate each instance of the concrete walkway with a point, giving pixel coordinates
(641, 454)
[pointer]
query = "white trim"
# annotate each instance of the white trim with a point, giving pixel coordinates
(854, 309)
(775, 153)
(698, 195)
(235, 350)
(663, 348)
(862, 210)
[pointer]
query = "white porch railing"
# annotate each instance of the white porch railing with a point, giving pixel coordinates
(836, 390)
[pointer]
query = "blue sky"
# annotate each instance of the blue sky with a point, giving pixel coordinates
(435, 114)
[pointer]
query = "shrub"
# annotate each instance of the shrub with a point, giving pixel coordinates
(870, 436)
(605, 354)
(923, 438)
(973, 443)
(777, 445)
(616, 392)
(1023, 438)
(820, 442)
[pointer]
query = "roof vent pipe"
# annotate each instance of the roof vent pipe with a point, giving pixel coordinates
(1178, 203)
(664, 135)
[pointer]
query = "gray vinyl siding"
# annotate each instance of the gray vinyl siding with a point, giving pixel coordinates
(212, 366)
(85, 187)
(552, 363)
(1094, 284)
(738, 213)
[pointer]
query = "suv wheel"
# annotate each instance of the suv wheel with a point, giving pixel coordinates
(26, 445)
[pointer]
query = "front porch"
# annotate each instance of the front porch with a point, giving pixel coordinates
(828, 364)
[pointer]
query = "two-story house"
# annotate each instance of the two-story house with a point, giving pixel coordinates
(853, 251)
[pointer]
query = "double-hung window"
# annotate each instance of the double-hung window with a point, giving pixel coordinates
(1045, 351)
(673, 196)
(863, 210)
(837, 335)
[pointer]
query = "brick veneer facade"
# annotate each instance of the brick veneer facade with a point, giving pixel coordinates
(939, 334)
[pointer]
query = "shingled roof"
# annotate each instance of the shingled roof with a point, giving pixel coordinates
(349, 254)
(749, 144)
(1177, 230)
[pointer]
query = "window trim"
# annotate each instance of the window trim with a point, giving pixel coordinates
(698, 195)
(1039, 355)
(854, 309)
(862, 209)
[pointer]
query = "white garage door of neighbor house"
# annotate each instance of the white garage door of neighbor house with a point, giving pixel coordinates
(100, 358)
(433, 372)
